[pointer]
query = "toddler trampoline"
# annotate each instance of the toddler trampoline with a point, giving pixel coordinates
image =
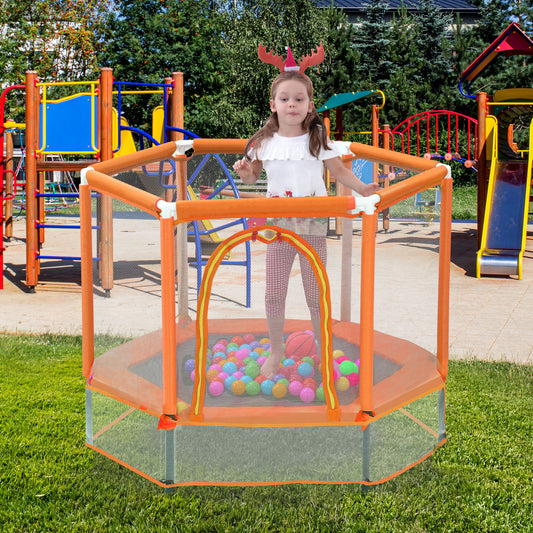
(185, 404)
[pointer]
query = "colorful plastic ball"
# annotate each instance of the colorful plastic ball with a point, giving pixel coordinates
(222, 341)
(254, 345)
(307, 395)
(219, 348)
(305, 369)
(299, 344)
(267, 346)
(342, 358)
(246, 379)
(261, 360)
(259, 351)
(223, 375)
(308, 359)
(211, 374)
(253, 388)
(353, 379)
(216, 388)
(242, 353)
(347, 367)
(358, 363)
(288, 362)
(229, 381)
(277, 377)
(319, 394)
(284, 381)
(264, 340)
(189, 365)
(248, 338)
(193, 375)
(215, 366)
(310, 383)
(252, 369)
(342, 384)
(232, 346)
(316, 360)
(267, 386)
(337, 354)
(230, 367)
(238, 387)
(237, 340)
(279, 390)
(238, 375)
(295, 387)
(260, 378)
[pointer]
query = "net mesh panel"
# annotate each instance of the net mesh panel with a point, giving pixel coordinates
(265, 455)
(127, 384)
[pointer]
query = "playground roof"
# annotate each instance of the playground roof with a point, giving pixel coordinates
(360, 6)
(338, 100)
(512, 41)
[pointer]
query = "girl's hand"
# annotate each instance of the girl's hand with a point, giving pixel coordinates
(248, 171)
(369, 188)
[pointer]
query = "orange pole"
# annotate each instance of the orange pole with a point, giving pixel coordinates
(32, 135)
(123, 191)
(105, 243)
(10, 189)
(404, 189)
(87, 311)
(168, 307)
(443, 318)
(366, 349)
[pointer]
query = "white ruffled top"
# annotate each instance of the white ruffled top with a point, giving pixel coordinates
(293, 171)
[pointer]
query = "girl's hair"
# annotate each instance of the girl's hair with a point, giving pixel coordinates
(318, 137)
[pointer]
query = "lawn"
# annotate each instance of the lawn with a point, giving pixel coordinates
(480, 480)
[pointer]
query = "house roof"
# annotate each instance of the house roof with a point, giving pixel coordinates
(360, 6)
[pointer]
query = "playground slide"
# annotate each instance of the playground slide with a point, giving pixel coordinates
(505, 225)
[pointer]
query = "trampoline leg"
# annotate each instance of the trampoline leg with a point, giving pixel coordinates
(366, 459)
(442, 415)
(169, 458)
(88, 417)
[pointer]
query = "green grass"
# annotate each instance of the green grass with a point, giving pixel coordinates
(480, 480)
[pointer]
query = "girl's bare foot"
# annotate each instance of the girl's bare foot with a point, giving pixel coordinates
(271, 365)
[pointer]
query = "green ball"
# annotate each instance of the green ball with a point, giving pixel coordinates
(252, 369)
(347, 367)
(285, 382)
(319, 395)
(253, 388)
(309, 360)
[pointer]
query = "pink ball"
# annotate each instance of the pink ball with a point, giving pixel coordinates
(237, 374)
(223, 342)
(295, 387)
(342, 358)
(216, 388)
(242, 353)
(219, 347)
(216, 367)
(353, 378)
(261, 360)
(307, 395)
(192, 375)
(223, 375)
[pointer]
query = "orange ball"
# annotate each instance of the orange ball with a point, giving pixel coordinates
(238, 387)
(279, 390)
(211, 374)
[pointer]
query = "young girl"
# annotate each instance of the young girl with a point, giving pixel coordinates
(293, 148)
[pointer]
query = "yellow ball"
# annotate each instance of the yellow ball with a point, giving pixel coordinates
(337, 353)
(181, 406)
(238, 387)
(342, 384)
(265, 340)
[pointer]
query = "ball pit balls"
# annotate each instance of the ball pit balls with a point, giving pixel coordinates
(238, 375)
(238, 387)
(242, 353)
(300, 344)
(216, 388)
(237, 340)
(307, 395)
(261, 360)
(342, 384)
(279, 390)
(288, 362)
(219, 348)
(260, 378)
(337, 354)
(353, 379)
(253, 388)
(189, 365)
(264, 340)
(254, 345)
(310, 383)
(252, 369)
(222, 341)
(308, 359)
(246, 379)
(193, 375)
(284, 381)
(319, 394)
(248, 338)
(267, 386)
(342, 358)
(230, 367)
(211, 374)
(347, 367)
(305, 369)
(295, 387)
(228, 382)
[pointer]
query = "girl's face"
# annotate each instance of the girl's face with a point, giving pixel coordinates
(292, 103)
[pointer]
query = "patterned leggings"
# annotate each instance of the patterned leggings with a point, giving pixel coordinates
(279, 259)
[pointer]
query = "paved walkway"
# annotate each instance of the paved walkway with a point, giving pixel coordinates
(490, 318)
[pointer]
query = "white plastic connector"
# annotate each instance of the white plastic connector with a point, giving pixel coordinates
(182, 147)
(167, 209)
(449, 169)
(366, 204)
(83, 175)
(343, 147)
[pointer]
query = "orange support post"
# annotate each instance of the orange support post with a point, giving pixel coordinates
(105, 203)
(87, 312)
(366, 353)
(32, 136)
(10, 189)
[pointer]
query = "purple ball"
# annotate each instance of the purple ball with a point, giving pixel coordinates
(189, 365)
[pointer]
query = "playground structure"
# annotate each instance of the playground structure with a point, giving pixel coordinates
(148, 405)
(504, 168)
(85, 124)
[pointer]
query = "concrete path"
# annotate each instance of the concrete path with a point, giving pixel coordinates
(490, 318)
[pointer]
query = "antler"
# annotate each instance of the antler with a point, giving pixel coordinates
(270, 58)
(314, 59)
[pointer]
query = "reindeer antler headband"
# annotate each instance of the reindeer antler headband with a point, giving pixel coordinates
(289, 64)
